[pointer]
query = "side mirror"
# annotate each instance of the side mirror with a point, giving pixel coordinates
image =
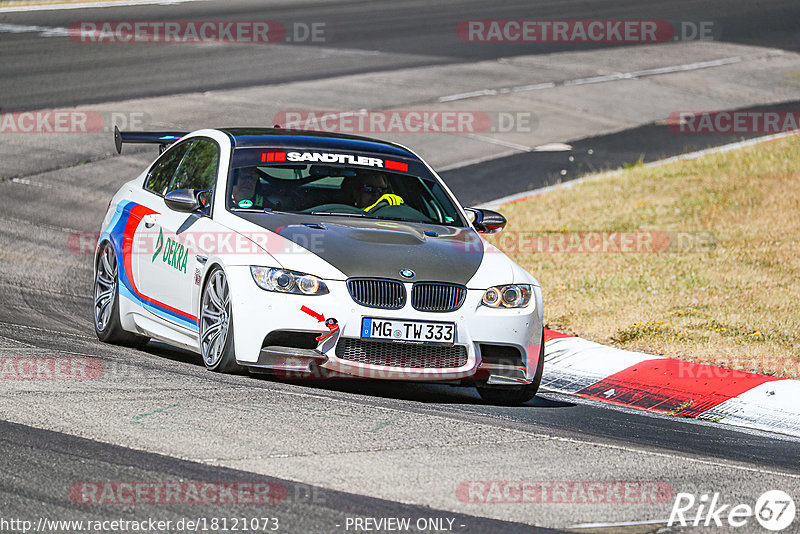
(487, 221)
(185, 200)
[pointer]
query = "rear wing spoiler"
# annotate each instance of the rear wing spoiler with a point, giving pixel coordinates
(162, 139)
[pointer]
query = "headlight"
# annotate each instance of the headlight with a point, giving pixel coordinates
(510, 296)
(283, 281)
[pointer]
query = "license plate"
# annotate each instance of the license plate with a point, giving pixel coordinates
(409, 331)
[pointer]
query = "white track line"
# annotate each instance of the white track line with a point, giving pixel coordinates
(475, 161)
(47, 330)
(500, 142)
(613, 77)
(682, 157)
(86, 5)
(44, 31)
(622, 524)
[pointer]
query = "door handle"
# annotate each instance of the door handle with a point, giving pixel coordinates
(149, 220)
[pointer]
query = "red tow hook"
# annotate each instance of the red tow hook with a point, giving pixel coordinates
(333, 326)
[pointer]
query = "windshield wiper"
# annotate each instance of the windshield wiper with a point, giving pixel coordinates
(343, 214)
(262, 210)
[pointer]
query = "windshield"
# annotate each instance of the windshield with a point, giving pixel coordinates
(342, 188)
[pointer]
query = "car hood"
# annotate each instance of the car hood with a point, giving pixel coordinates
(378, 248)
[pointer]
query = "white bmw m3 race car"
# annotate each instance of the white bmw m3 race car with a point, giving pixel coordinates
(304, 254)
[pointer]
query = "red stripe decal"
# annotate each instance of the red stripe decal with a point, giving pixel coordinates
(136, 214)
(673, 386)
(395, 165)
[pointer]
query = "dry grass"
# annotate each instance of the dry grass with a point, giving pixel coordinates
(735, 303)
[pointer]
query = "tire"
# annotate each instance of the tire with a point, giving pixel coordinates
(512, 396)
(107, 325)
(216, 325)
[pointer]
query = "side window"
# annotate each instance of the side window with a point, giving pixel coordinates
(199, 168)
(164, 169)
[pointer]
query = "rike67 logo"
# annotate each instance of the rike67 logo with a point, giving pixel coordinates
(774, 510)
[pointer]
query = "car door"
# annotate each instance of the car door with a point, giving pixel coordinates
(143, 233)
(171, 270)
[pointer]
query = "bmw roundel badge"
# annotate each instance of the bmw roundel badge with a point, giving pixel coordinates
(407, 273)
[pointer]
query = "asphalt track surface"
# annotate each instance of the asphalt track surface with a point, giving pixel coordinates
(57, 459)
(646, 143)
(50, 72)
(45, 292)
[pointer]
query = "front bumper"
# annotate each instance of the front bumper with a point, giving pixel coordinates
(257, 313)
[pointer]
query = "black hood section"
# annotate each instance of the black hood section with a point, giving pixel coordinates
(380, 248)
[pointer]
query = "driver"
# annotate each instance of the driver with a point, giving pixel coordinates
(243, 191)
(374, 193)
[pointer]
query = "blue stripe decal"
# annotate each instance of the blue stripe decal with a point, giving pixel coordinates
(115, 233)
